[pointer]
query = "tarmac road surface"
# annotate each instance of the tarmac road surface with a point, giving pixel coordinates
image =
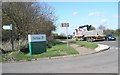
(103, 62)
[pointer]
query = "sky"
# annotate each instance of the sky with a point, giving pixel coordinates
(85, 13)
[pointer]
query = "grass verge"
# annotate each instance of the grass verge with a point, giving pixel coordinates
(85, 44)
(57, 50)
(118, 37)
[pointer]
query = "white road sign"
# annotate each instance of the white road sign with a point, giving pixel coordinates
(7, 27)
(65, 24)
(36, 37)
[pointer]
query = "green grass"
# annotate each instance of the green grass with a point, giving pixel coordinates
(118, 37)
(57, 50)
(85, 44)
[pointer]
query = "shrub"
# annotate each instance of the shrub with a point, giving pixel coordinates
(51, 43)
(25, 49)
(62, 37)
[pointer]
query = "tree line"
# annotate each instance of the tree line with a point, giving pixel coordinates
(113, 32)
(28, 18)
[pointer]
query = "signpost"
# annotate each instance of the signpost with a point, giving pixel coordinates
(66, 25)
(37, 43)
(9, 27)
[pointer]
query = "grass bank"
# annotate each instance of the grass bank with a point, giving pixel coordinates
(118, 37)
(85, 44)
(57, 50)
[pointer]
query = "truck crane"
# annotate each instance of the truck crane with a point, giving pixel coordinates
(84, 33)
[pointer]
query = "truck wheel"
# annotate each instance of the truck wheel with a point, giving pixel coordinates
(92, 40)
(87, 39)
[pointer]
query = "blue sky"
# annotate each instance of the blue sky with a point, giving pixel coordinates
(82, 13)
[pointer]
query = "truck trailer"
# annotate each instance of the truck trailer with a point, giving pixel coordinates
(84, 33)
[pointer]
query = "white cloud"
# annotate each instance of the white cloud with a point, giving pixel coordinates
(103, 21)
(75, 13)
(116, 16)
(95, 14)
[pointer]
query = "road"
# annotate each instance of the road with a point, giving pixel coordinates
(103, 62)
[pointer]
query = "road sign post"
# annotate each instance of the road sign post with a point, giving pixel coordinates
(66, 25)
(12, 43)
(9, 27)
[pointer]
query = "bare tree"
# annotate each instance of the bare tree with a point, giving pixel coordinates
(29, 17)
(101, 27)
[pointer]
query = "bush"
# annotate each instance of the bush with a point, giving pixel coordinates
(25, 49)
(62, 37)
(51, 43)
